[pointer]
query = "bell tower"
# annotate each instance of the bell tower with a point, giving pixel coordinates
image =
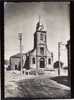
(40, 44)
(40, 35)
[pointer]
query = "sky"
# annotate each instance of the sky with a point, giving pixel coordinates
(23, 17)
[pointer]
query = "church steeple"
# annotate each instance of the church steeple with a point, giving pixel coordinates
(40, 35)
(39, 19)
(39, 26)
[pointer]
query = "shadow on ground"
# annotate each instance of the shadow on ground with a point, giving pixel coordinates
(63, 80)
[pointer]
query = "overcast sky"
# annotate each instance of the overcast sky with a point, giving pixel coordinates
(22, 17)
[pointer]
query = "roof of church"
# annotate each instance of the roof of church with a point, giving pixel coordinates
(30, 51)
(17, 55)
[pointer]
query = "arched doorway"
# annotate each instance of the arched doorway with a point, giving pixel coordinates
(42, 63)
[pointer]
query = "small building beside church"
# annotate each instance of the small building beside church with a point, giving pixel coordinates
(39, 57)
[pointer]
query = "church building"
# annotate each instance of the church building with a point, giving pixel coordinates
(39, 57)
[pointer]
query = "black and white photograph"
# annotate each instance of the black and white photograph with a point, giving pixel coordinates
(37, 50)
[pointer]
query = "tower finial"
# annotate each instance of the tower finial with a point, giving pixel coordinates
(39, 18)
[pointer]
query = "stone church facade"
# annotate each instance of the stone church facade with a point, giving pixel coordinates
(39, 57)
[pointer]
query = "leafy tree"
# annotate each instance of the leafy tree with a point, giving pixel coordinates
(56, 64)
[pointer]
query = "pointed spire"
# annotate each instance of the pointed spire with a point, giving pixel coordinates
(38, 23)
(39, 19)
(39, 26)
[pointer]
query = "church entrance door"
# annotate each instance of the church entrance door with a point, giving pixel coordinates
(42, 63)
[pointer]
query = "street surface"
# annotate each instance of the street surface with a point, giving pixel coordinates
(36, 87)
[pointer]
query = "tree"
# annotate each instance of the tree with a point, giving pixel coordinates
(56, 64)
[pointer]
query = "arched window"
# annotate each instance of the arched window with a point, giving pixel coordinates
(33, 60)
(49, 61)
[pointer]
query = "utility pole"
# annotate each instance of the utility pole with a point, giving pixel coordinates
(20, 38)
(59, 58)
(59, 44)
